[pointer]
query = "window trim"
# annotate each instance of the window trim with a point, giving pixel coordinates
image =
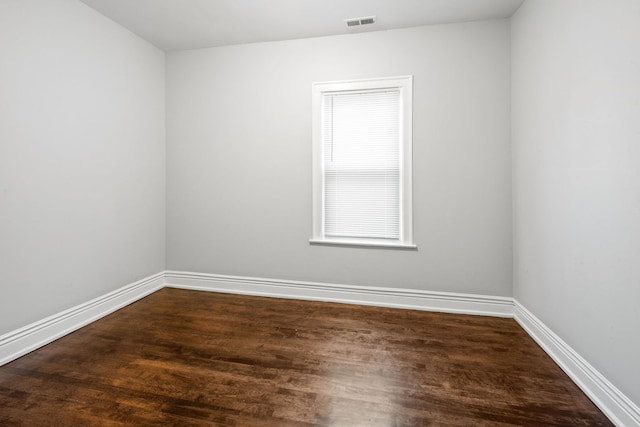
(405, 85)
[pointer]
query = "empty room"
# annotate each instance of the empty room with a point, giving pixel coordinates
(320, 213)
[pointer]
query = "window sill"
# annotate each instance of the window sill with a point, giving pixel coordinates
(363, 244)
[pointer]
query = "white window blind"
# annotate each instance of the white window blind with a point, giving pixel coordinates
(362, 187)
(361, 164)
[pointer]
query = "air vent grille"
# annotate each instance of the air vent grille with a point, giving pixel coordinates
(365, 20)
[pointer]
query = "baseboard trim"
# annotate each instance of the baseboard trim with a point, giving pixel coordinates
(26, 339)
(347, 294)
(620, 409)
(615, 405)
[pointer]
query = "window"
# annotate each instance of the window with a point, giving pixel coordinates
(362, 162)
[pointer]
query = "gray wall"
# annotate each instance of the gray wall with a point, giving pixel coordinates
(239, 158)
(81, 158)
(576, 160)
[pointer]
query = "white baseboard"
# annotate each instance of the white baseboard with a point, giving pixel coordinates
(620, 409)
(615, 405)
(605, 395)
(24, 340)
(348, 294)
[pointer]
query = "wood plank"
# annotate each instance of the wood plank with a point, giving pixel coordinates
(192, 358)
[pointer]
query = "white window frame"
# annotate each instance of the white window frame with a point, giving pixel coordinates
(405, 86)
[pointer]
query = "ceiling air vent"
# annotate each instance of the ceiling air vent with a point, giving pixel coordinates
(365, 20)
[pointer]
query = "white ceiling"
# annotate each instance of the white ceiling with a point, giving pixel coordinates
(190, 24)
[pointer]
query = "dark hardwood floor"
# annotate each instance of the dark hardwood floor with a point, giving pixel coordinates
(187, 358)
